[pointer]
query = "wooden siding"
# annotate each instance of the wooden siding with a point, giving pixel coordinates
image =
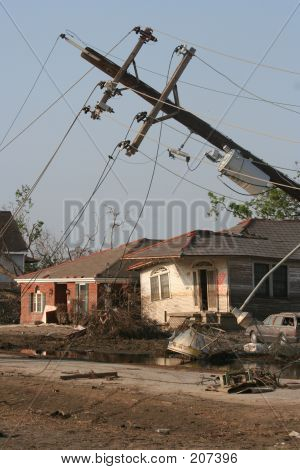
(241, 283)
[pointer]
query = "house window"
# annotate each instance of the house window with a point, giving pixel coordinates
(274, 286)
(37, 302)
(82, 297)
(260, 270)
(280, 282)
(159, 284)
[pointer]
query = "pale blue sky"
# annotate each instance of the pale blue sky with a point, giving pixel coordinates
(239, 28)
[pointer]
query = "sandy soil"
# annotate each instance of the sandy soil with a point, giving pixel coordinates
(40, 411)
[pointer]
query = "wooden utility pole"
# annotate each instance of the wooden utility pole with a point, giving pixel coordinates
(194, 124)
(151, 118)
(111, 85)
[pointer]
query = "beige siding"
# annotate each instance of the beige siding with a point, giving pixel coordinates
(181, 299)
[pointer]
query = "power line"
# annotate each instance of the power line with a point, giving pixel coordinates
(151, 179)
(167, 146)
(81, 212)
(253, 98)
(230, 56)
(268, 49)
(38, 179)
(29, 93)
(46, 110)
(242, 88)
(54, 83)
(207, 162)
(253, 131)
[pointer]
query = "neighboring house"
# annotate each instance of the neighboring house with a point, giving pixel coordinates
(207, 273)
(13, 251)
(82, 285)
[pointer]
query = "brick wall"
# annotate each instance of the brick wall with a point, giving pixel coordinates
(28, 317)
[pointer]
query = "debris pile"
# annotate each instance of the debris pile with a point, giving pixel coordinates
(196, 339)
(119, 322)
(245, 381)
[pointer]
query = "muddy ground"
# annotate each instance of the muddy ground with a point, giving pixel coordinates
(53, 338)
(38, 410)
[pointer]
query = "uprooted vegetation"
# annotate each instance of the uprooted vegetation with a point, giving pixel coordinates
(122, 323)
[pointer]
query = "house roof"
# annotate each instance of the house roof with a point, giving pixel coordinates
(106, 263)
(12, 239)
(254, 237)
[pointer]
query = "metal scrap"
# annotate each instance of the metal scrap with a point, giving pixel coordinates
(195, 339)
(245, 381)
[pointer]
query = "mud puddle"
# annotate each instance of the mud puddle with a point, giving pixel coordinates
(291, 371)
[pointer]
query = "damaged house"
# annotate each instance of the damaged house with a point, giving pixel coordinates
(207, 273)
(80, 286)
(13, 251)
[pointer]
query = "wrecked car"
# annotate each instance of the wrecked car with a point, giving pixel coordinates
(284, 327)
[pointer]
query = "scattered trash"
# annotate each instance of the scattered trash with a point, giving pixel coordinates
(258, 348)
(188, 342)
(90, 375)
(164, 431)
(60, 414)
(248, 381)
(295, 434)
(194, 339)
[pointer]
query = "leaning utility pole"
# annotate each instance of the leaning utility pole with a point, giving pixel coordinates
(151, 117)
(110, 86)
(193, 123)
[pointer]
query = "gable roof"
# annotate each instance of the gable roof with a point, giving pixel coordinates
(12, 239)
(107, 263)
(254, 237)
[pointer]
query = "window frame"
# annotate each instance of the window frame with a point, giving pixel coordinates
(271, 281)
(157, 274)
(37, 302)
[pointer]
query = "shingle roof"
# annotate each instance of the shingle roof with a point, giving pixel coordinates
(12, 239)
(106, 263)
(254, 237)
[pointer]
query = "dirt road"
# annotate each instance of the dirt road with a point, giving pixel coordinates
(41, 411)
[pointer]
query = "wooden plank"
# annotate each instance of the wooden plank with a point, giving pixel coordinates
(89, 375)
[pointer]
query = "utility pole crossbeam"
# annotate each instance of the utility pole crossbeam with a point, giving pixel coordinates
(111, 85)
(151, 118)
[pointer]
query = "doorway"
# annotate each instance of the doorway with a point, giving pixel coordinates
(205, 289)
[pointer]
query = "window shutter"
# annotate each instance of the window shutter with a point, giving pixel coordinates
(30, 303)
(212, 296)
(154, 288)
(164, 286)
(280, 282)
(195, 289)
(43, 301)
(260, 269)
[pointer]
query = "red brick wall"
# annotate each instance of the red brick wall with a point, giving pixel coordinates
(92, 297)
(28, 317)
(71, 296)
